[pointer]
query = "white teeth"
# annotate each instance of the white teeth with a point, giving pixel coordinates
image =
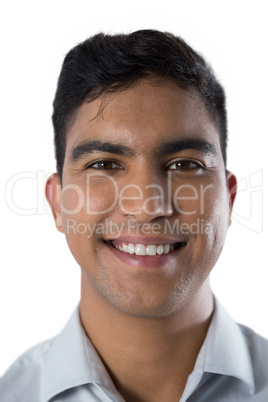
(141, 249)
(125, 248)
(166, 248)
(160, 249)
(131, 248)
(151, 250)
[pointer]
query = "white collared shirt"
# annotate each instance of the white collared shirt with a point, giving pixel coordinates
(232, 366)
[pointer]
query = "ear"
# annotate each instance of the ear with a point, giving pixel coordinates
(232, 191)
(53, 196)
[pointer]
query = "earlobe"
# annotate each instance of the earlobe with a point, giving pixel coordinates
(232, 191)
(53, 195)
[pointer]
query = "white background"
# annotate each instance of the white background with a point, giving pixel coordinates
(39, 279)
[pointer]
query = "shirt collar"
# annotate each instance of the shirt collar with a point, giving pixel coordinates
(225, 349)
(224, 352)
(72, 361)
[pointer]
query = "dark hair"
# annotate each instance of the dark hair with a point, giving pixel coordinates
(110, 63)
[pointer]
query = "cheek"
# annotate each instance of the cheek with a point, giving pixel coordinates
(73, 200)
(195, 200)
(215, 213)
(101, 196)
(200, 198)
(204, 209)
(84, 209)
(90, 201)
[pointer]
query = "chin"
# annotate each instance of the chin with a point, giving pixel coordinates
(150, 304)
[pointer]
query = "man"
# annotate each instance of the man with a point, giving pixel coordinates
(144, 199)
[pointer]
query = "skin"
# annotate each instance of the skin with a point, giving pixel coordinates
(147, 323)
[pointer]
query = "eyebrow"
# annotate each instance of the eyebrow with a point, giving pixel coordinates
(88, 147)
(202, 146)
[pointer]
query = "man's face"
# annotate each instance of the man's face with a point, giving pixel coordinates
(144, 174)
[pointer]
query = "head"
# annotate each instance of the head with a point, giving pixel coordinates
(142, 192)
(108, 64)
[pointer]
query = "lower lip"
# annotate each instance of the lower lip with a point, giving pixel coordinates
(156, 261)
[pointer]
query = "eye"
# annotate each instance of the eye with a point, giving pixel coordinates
(185, 165)
(104, 165)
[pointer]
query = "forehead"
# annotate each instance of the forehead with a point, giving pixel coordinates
(143, 117)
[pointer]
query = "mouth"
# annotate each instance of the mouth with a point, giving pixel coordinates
(145, 250)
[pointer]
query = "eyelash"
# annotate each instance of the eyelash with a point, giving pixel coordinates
(197, 165)
(91, 165)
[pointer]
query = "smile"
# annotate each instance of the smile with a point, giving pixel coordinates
(145, 249)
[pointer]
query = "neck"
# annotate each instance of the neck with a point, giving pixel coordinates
(143, 354)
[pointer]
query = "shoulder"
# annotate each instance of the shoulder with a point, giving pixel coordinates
(257, 344)
(258, 350)
(21, 382)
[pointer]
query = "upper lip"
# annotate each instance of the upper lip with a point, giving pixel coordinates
(147, 240)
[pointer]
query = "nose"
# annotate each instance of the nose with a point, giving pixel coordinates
(146, 196)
